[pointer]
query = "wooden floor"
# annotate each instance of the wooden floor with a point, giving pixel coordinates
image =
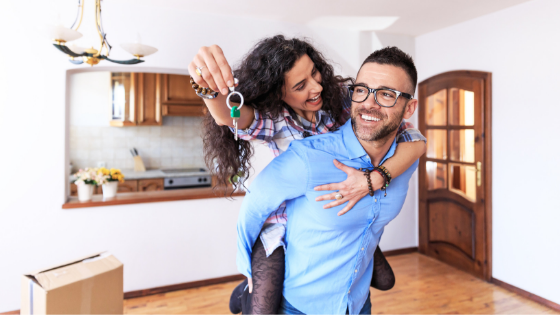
(424, 286)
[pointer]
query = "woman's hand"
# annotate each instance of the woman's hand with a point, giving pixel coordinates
(216, 72)
(250, 283)
(352, 189)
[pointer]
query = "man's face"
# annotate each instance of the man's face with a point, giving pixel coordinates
(372, 122)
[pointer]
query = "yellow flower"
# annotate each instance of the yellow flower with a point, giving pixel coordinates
(103, 171)
(115, 171)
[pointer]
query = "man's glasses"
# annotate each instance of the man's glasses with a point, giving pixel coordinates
(383, 97)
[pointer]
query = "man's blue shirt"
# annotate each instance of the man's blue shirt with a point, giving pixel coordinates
(329, 258)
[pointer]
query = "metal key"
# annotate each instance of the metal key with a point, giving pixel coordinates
(234, 110)
(235, 114)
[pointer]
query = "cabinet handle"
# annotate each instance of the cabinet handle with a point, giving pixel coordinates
(478, 174)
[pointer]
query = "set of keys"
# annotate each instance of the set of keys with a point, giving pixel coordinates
(235, 112)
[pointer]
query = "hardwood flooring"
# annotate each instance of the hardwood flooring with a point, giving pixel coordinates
(424, 286)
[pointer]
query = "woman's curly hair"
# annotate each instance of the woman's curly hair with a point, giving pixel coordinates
(261, 81)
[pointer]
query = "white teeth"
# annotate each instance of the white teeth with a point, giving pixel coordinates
(370, 118)
(315, 98)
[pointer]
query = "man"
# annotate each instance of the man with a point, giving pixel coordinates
(328, 257)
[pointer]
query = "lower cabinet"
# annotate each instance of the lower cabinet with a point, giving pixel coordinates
(150, 184)
(128, 186)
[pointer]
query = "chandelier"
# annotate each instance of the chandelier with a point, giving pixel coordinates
(78, 55)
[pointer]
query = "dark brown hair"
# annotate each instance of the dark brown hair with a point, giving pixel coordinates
(395, 57)
(261, 80)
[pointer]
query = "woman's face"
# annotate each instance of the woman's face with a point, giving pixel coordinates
(302, 87)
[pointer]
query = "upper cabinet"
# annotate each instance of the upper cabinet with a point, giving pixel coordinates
(148, 99)
(141, 99)
(179, 98)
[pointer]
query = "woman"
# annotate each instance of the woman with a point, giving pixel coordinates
(290, 92)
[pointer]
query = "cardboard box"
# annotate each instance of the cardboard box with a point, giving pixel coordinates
(88, 285)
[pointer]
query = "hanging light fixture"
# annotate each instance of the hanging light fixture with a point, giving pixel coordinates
(78, 55)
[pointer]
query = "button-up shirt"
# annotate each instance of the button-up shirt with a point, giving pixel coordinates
(329, 258)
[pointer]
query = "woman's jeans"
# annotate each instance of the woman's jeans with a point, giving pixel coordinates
(287, 308)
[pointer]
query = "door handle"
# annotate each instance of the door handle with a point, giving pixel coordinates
(478, 174)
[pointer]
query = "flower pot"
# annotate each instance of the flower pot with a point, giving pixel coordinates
(85, 192)
(110, 189)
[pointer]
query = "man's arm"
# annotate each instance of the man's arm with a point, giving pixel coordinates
(285, 178)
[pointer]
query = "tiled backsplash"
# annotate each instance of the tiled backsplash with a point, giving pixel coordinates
(175, 144)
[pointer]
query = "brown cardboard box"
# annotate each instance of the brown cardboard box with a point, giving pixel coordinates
(88, 285)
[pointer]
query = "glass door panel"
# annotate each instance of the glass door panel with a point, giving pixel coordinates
(437, 144)
(436, 111)
(437, 175)
(461, 107)
(462, 180)
(461, 145)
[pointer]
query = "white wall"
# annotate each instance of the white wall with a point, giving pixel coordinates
(519, 46)
(159, 243)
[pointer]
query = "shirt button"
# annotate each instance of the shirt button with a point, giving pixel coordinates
(356, 270)
(348, 291)
(375, 199)
(362, 248)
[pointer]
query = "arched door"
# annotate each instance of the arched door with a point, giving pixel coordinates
(455, 174)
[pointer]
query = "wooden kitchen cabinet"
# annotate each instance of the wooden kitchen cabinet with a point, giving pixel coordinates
(128, 186)
(148, 99)
(136, 99)
(150, 184)
(179, 98)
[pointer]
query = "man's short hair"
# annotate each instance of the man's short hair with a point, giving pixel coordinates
(395, 57)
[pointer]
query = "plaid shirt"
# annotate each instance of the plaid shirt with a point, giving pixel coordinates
(278, 132)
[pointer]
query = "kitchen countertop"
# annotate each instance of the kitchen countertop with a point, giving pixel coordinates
(158, 173)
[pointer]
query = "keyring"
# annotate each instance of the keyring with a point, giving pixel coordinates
(232, 93)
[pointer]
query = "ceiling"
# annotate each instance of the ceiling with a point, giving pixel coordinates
(405, 17)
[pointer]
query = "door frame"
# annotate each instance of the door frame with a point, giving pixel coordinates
(487, 155)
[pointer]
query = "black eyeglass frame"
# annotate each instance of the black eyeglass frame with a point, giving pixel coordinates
(374, 91)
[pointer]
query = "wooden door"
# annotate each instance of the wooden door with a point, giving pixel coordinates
(179, 98)
(148, 99)
(455, 174)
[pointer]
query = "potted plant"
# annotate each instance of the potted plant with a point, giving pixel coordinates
(109, 179)
(86, 180)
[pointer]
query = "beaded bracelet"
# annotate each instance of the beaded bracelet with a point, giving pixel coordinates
(368, 178)
(206, 93)
(387, 174)
(380, 172)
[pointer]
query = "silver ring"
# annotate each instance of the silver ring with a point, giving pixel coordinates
(230, 94)
(199, 70)
(338, 196)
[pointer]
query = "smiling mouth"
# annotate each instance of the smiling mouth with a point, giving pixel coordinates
(312, 100)
(369, 118)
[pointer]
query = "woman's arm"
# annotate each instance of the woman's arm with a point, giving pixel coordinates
(216, 74)
(405, 155)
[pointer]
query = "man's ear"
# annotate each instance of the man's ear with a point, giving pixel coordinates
(410, 108)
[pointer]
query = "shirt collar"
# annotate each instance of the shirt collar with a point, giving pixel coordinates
(354, 147)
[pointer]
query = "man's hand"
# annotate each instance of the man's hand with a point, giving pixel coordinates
(250, 282)
(353, 189)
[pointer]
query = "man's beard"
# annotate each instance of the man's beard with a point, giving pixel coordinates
(387, 128)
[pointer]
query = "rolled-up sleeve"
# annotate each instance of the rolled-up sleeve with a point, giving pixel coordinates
(285, 178)
(407, 133)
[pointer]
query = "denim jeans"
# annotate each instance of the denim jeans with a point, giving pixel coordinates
(287, 308)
